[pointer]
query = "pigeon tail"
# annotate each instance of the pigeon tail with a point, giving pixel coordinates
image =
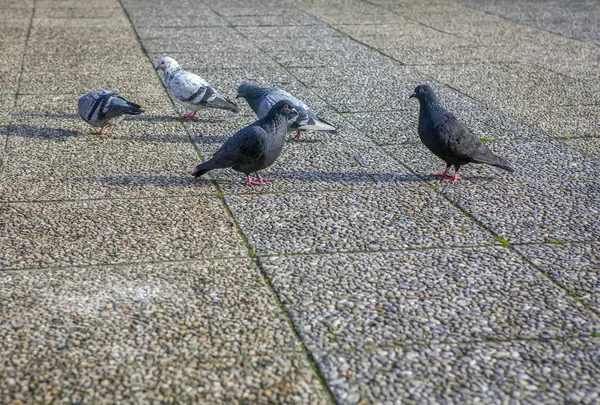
(494, 160)
(134, 109)
(229, 105)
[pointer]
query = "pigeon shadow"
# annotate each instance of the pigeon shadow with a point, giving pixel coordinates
(145, 180)
(38, 132)
(60, 116)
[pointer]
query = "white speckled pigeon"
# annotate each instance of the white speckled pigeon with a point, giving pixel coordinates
(254, 147)
(105, 108)
(192, 91)
(261, 99)
(448, 138)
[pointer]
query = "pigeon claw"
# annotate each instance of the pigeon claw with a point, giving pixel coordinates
(189, 117)
(452, 179)
(250, 182)
(295, 138)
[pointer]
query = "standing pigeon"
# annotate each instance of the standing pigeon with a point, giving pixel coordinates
(105, 108)
(448, 138)
(190, 90)
(254, 147)
(261, 99)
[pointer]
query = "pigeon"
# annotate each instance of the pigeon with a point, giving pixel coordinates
(192, 91)
(105, 108)
(261, 99)
(254, 147)
(448, 138)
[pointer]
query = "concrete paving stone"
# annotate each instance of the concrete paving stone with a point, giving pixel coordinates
(416, 44)
(164, 40)
(356, 89)
(220, 59)
(486, 373)
(589, 147)
(77, 9)
(533, 212)
(575, 266)
(191, 14)
(251, 8)
(282, 35)
(364, 219)
(387, 128)
(119, 20)
(326, 57)
(115, 231)
(443, 295)
(217, 308)
(91, 167)
(9, 81)
(135, 65)
(17, 12)
(66, 82)
(354, 12)
(572, 19)
(569, 121)
(521, 90)
(296, 17)
(560, 164)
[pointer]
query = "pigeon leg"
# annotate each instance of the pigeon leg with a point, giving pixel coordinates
(295, 138)
(250, 182)
(189, 116)
(454, 178)
(101, 132)
(262, 179)
(442, 176)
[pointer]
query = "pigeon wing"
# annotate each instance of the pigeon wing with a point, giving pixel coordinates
(244, 147)
(460, 143)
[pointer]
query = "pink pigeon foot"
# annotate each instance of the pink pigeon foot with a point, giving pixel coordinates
(101, 132)
(452, 179)
(295, 138)
(250, 182)
(442, 176)
(263, 179)
(188, 117)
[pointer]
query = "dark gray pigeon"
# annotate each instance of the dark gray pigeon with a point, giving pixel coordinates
(255, 147)
(261, 99)
(105, 108)
(448, 138)
(192, 91)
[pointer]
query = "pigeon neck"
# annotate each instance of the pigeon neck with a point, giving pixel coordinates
(431, 107)
(253, 97)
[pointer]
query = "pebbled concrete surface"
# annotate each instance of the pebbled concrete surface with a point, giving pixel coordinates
(354, 278)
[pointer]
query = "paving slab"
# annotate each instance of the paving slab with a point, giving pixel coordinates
(449, 295)
(487, 373)
(532, 212)
(574, 266)
(367, 219)
(91, 167)
(115, 231)
(202, 309)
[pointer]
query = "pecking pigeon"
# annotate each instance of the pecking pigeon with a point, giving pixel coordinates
(448, 138)
(254, 147)
(261, 99)
(105, 108)
(190, 90)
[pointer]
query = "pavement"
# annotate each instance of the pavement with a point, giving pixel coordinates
(354, 278)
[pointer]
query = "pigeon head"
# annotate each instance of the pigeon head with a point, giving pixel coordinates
(165, 63)
(425, 94)
(248, 91)
(284, 108)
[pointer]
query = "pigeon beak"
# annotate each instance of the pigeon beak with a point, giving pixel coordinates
(238, 96)
(413, 95)
(157, 67)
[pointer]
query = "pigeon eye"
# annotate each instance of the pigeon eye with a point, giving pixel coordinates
(421, 90)
(285, 106)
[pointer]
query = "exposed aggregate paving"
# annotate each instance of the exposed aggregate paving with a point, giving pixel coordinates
(354, 278)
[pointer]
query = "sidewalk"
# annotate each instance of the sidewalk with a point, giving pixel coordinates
(354, 278)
